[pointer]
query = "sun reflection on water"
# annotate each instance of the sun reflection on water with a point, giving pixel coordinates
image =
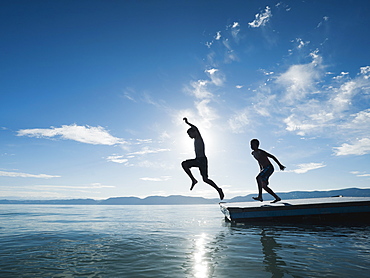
(200, 262)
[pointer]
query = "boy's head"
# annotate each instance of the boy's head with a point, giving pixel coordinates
(255, 144)
(191, 132)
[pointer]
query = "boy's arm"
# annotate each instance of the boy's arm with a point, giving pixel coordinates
(193, 126)
(281, 166)
(186, 121)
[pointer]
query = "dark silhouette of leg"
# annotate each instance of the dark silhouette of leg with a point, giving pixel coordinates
(269, 190)
(211, 183)
(186, 167)
(259, 184)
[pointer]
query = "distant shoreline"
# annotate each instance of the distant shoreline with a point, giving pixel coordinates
(186, 200)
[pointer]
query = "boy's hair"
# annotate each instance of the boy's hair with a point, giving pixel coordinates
(255, 141)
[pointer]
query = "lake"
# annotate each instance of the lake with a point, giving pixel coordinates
(171, 241)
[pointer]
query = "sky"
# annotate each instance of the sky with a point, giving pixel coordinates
(93, 96)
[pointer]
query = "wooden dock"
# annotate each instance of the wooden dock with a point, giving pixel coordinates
(334, 208)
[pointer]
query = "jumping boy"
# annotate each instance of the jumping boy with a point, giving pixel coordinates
(266, 170)
(200, 160)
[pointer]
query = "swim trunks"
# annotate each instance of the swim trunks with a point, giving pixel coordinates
(201, 163)
(266, 173)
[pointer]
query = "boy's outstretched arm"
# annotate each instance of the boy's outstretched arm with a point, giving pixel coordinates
(281, 166)
(186, 121)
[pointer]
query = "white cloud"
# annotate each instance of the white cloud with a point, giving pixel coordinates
(117, 159)
(90, 186)
(360, 174)
(325, 18)
(261, 18)
(342, 100)
(128, 93)
(199, 89)
(294, 124)
(216, 77)
(163, 178)
(365, 72)
(301, 43)
(359, 122)
(84, 134)
(124, 159)
(156, 164)
(235, 31)
(305, 167)
(299, 80)
(239, 121)
(360, 147)
(147, 150)
(206, 112)
(341, 76)
(24, 175)
(218, 35)
(308, 106)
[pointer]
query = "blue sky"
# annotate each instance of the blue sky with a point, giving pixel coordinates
(92, 95)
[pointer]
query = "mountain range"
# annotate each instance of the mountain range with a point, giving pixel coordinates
(186, 200)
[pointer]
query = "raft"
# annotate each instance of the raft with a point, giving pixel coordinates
(323, 209)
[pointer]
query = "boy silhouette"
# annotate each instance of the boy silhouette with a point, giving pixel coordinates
(200, 160)
(266, 170)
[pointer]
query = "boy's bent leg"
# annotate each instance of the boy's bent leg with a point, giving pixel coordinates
(186, 166)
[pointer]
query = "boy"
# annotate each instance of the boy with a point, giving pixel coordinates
(200, 160)
(266, 170)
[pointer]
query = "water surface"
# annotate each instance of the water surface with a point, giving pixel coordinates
(171, 241)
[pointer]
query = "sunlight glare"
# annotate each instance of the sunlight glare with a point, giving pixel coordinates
(200, 263)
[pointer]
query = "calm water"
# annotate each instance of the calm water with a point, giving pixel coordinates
(170, 241)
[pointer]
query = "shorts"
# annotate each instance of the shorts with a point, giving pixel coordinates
(201, 163)
(266, 173)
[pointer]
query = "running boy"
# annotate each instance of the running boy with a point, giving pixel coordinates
(200, 160)
(266, 170)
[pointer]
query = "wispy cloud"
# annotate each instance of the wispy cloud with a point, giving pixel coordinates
(216, 76)
(360, 174)
(235, 29)
(304, 98)
(299, 80)
(239, 121)
(129, 93)
(135, 158)
(310, 101)
(117, 159)
(162, 178)
(301, 43)
(305, 167)
(324, 19)
(25, 175)
(146, 150)
(199, 89)
(72, 187)
(206, 112)
(84, 134)
(218, 35)
(359, 147)
(358, 123)
(261, 18)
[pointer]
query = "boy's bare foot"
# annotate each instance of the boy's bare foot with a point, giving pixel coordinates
(194, 183)
(276, 200)
(258, 199)
(221, 193)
